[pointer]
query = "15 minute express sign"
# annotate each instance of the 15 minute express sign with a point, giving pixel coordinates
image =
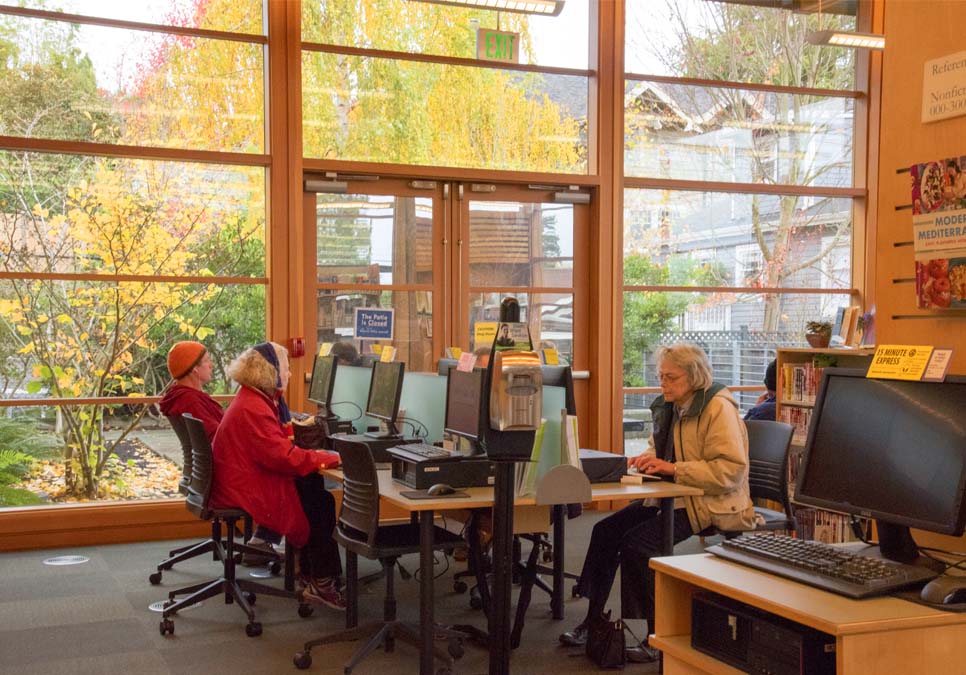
(495, 45)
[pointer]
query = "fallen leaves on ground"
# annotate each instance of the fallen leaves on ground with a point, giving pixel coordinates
(150, 477)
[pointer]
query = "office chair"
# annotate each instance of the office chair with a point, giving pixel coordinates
(213, 544)
(241, 591)
(359, 533)
(768, 444)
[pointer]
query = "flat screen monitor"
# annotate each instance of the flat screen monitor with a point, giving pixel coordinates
(323, 382)
(385, 389)
(465, 399)
(891, 450)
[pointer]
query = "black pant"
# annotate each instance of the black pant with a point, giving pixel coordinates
(627, 539)
(320, 556)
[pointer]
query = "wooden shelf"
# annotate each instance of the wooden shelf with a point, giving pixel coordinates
(872, 636)
(797, 404)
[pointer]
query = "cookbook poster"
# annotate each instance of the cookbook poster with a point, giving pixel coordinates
(939, 233)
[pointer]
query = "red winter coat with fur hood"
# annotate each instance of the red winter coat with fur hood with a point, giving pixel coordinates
(256, 462)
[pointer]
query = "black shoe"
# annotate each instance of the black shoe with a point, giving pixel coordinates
(642, 653)
(576, 637)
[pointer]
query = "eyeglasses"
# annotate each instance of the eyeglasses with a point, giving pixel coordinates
(669, 378)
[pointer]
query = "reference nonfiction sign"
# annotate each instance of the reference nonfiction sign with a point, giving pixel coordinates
(944, 88)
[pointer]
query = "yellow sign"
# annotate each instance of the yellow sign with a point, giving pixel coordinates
(550, 357)
(376, 348)
(484, 333)
(387, 354)
(899, 362)
(325, 348)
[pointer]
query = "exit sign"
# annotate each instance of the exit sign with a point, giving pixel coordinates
(495, 45)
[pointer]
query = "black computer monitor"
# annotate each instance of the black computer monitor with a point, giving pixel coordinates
(385, 388)
(465, 400)
(323, 382)
(891, 450)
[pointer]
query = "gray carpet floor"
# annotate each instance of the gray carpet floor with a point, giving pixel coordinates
(95, 618)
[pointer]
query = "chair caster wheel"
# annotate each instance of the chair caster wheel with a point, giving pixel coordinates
(155, 578)
(167, 627)
(548, 556)
(458, 587)
(305, 611)
(253, 629)
(250, 597)
(237, 558)
(476, 602)
(455, 648)
(302, 660)
(575, 591)
(275, 567)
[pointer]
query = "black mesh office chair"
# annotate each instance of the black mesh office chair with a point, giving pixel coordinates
(768, 444)
(359, 533)
(242, 591)
(211, 545)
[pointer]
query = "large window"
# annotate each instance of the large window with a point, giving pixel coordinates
(108, 253)
(738, 184)
(417, 94)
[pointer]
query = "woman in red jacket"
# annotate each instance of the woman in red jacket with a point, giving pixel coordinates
(259, 468)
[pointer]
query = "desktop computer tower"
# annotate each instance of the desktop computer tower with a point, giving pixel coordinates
(457, 473)
(757, 642)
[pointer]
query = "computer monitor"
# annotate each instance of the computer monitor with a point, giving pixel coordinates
(385, 388)
(891, 450)
(465, 401)
(323, 382)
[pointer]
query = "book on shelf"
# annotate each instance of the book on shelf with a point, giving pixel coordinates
(800, 382)
(825, 526)
(798, 418)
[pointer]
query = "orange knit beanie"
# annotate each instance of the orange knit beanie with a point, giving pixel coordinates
(184, 356)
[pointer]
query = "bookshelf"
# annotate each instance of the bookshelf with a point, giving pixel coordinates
(799, 374)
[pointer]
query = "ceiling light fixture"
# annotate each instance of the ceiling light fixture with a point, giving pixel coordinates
(840, 38)
(542, 7)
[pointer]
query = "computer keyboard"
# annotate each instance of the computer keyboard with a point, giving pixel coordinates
(821, 565)
(426, 451)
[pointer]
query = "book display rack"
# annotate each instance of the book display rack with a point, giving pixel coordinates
(799, 374)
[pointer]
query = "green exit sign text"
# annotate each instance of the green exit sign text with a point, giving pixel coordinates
(495, 45)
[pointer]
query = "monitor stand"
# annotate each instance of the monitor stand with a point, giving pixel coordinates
(391, 433)
(896, 543)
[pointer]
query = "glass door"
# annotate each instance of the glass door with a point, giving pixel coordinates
(443, 255)
(373, 243)
(532, 243)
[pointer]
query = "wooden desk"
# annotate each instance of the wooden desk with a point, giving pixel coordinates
(523, 506)
(877, 636)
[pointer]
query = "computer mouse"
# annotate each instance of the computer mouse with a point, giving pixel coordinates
(945, 590)
(440, 490)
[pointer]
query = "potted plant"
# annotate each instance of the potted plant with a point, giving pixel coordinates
(818, 333)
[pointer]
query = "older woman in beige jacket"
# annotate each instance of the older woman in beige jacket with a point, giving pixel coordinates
(700, 440)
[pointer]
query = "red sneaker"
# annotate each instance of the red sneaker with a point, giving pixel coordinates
(324, 592)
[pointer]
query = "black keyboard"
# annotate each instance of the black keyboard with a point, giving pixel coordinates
(425, 451)
(821, 565)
